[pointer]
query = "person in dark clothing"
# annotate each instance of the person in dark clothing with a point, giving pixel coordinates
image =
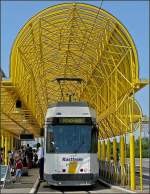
(35, 159)
(11, 159)
(29, 155)
(40, 154)
(1, 156)
(24, 161)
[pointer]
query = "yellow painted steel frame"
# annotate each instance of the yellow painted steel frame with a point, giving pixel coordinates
(76, 40)
(12, 119)
(6, 142)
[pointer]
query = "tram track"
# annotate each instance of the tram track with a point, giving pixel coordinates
(98, 188)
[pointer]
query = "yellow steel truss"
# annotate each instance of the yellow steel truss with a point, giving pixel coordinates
(74, 40)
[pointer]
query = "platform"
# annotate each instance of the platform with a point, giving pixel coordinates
(26, 185)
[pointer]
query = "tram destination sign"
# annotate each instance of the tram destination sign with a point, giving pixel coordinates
(72, 120)
(69, 120)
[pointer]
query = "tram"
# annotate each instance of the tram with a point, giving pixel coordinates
(70, 145)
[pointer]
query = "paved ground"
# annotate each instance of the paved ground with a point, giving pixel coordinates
(25, 185)
(146, 186)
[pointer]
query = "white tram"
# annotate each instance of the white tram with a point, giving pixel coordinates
(70, 145)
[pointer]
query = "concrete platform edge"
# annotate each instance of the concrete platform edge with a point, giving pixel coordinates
(115, 187)
(35, 186)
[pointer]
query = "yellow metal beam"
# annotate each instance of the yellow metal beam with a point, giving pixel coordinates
(140, 151)
(115, 150)
(6, 150)
(132, 163)
(108, 150)
(99, 150)
(122, 151)
(103, 151)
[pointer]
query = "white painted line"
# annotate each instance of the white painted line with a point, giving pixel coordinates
(101, 191)
(34, 188)
(50, 192)
(115, 187)
(75, 192)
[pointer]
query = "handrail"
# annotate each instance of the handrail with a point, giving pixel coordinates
(7, 177)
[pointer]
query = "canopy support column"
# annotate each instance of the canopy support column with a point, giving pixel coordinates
(140, 145)
(99, 150)
(115, 150)
(12, 142)
(132, 162)
(103, 151)
(122, 159)
(6, 150)
(108, 150)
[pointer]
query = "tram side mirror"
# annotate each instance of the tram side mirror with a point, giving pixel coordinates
(42, 132)
(52, 143)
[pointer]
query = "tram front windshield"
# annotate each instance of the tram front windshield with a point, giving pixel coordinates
(70, 139)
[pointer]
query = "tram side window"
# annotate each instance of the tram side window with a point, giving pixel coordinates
(50, 141)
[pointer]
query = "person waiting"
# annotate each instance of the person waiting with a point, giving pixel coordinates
(40, 153)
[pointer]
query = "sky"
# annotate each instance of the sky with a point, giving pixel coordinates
(134, 15)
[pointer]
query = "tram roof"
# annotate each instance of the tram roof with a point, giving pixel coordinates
(65, 104)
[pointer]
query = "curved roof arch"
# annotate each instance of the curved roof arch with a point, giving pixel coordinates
(94, 13)
(75, 40)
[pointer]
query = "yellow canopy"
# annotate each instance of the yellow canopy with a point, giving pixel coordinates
(79, 41)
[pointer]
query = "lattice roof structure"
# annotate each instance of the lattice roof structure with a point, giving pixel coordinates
(80, 41)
